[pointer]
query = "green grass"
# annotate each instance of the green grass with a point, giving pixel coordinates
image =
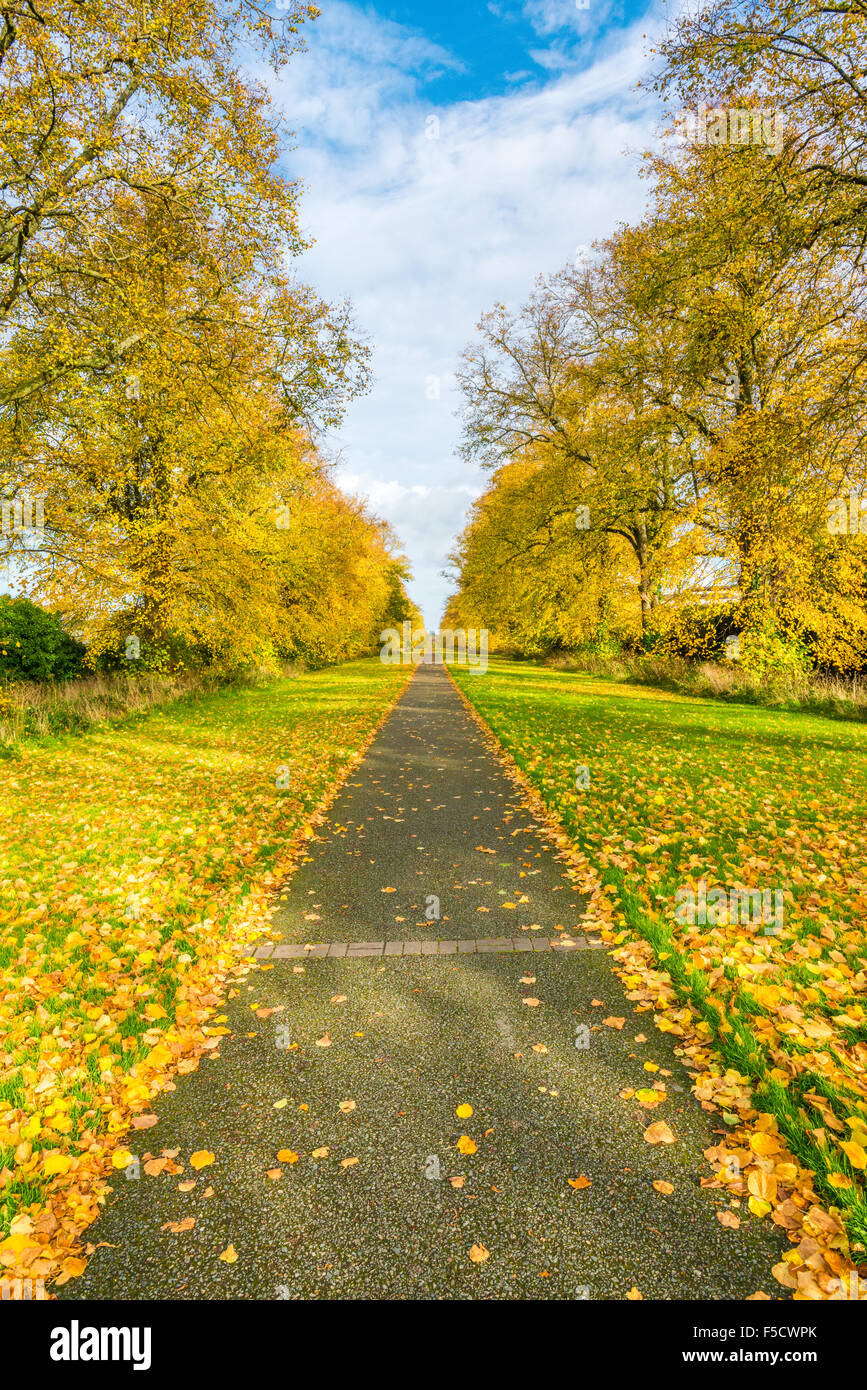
(136, 864)
(683, 789)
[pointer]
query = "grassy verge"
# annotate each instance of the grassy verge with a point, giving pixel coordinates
(675, 791)
(30, 712)
(136, 867)
(836, 697)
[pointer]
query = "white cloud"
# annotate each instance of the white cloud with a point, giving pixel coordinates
(425, 234)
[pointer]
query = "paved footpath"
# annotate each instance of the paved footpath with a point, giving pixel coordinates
(393, 1021)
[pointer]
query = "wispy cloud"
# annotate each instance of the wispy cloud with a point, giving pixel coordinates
(426, 214)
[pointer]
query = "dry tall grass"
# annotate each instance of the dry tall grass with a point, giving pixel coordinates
(843, 697)
(30, 710)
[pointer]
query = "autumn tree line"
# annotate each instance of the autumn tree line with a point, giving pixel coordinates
(674, 424)
(164, 373)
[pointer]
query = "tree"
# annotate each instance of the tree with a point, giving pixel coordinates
(808, 60)
(550, 383)
(113, 107)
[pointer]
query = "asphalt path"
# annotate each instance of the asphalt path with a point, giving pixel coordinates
(397, 989)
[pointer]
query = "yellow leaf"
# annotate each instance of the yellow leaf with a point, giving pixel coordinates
(758, 1207)
(580, 1182)
(466, 1145)
(287, 1156)
(57, 1163)
(464, 1112)
(634, 1295)
(854, 1152)
(664, 1187)
(201, 1159)
(764, 1144)
(478, 1254)
(229, 1255)
(762, 1185)
(649, 1097)
(659, 1133)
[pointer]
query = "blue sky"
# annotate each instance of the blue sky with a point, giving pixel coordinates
(450, 153)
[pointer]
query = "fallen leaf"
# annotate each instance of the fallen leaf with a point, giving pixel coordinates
(659, 1133)
(478, 1254)
(201, 1159)
(229, 1255)
(176, 1227)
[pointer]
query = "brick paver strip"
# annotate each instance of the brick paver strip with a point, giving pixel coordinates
(472, 946)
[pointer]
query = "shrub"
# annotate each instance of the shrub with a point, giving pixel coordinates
(34, 644)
